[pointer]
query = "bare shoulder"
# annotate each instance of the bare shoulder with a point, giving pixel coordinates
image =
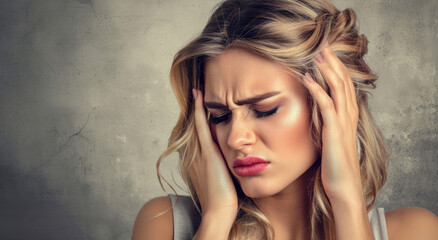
(154, 221)
(411, 223)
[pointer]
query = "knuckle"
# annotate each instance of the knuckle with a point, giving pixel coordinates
(327, 104)
(330, 74)
(338, 85)
(346, 76)
(345, 73)
(323, 100)
(319, 92)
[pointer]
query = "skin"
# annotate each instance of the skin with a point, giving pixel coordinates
(280, 190)
(282, 138)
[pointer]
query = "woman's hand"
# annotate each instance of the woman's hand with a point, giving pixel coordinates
(340, 170)
(210, 176)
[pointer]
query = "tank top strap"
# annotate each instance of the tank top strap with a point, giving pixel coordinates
(186, 218)
(378, 223)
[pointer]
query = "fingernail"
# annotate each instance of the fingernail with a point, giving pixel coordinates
(319, 58)
(308, 78)
(195, 93)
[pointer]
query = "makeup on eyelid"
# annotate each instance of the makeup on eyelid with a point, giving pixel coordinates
(218, 109)
(258, 114)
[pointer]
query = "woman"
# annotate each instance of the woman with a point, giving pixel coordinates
(275, 137)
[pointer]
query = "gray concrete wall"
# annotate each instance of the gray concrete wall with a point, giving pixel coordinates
(86, 107)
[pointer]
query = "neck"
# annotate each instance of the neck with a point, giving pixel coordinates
(288, 210)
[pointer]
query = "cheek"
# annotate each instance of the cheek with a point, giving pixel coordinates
(220, 134)
(289, 131)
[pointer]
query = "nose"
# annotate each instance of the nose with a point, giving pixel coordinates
(241, 136)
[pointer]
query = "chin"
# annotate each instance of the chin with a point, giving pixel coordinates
(255, 195)
(261, 188)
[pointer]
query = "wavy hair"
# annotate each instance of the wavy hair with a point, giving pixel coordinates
(292, 33)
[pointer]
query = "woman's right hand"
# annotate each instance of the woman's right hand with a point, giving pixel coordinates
(209, 173)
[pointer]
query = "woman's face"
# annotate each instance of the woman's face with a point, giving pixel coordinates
(257, 109)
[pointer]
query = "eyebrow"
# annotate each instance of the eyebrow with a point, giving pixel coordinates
(251, 100)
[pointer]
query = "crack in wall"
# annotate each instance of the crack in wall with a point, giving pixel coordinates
(63, 146)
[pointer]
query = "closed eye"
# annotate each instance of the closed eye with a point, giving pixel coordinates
(217, 120)
(260, 114)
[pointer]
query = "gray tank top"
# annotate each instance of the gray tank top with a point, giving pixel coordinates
(186, 219)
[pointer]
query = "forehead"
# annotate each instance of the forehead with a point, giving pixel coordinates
(237, 74)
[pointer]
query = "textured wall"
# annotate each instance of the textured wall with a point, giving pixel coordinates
(86, 107)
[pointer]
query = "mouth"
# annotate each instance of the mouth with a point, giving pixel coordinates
(249, 166)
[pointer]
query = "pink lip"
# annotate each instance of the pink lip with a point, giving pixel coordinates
(249, 166)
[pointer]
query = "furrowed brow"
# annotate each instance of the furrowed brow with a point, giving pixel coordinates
(257, 98)
(215, 105)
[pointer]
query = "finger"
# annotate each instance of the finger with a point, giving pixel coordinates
(339, 67)
(342, 71)
(353, 102)
(323, 100)
(202, 128)
(329, 114)
(336, 84)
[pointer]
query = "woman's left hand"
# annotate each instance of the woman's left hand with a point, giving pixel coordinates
(340, 170)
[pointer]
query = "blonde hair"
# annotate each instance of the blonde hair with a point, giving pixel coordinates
(292, 33)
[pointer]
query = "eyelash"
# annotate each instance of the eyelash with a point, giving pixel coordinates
(259, 114)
